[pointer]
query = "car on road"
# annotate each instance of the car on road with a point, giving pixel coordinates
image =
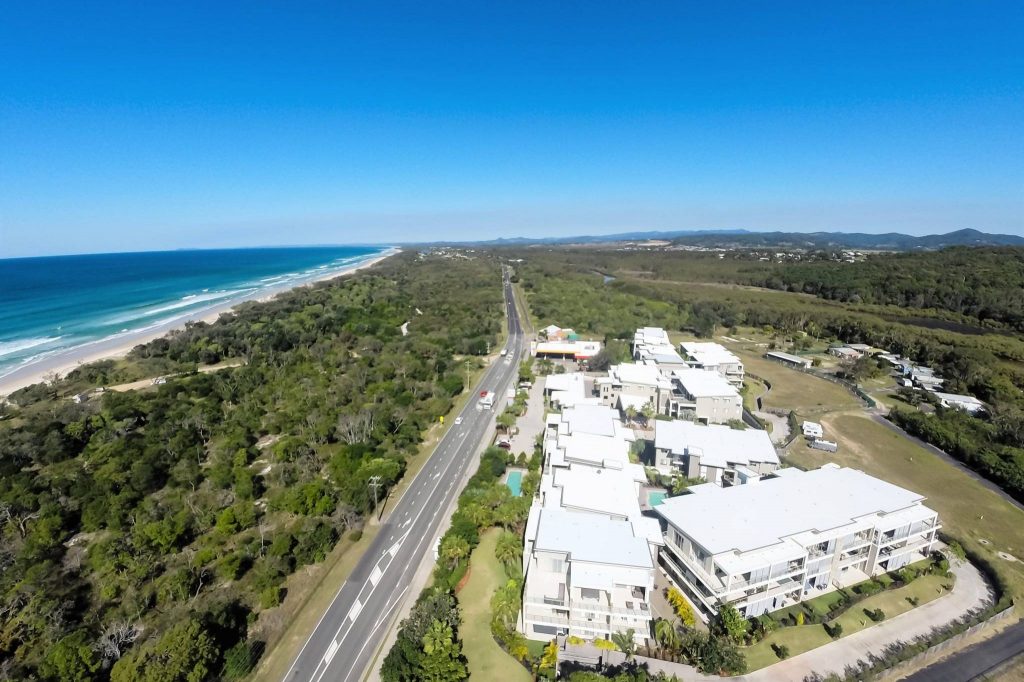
(458, 420)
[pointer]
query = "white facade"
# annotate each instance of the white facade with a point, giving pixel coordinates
(704, 396)
(586, 576)
(651, 346)
(713, 357)
(714, 453)
(589, 554)
(791, 537)
(632, 384)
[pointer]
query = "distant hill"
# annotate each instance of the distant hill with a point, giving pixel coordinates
(889, 241)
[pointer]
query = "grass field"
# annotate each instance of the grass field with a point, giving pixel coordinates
(487, 660)
(803, 638)
(969, 511)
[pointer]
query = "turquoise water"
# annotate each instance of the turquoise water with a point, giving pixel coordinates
(55, 304)
(515, 482)
(654, 498)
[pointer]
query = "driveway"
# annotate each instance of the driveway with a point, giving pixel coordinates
(531, 424)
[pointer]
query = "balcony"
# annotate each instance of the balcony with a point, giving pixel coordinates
(911, 546)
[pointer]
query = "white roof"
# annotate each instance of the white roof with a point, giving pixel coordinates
(717, 445)
(598, 490)
(787, 356)
(748, 517)
(631, 373)
(708, 353)
(552, 329)
(702, 384)
(595, 419)
(594, 539)
(957, 398)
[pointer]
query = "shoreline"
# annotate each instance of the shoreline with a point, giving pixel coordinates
(112, 348)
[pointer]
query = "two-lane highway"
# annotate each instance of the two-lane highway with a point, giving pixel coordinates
(344, 642)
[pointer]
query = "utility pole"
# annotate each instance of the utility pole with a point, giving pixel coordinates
(375, 483)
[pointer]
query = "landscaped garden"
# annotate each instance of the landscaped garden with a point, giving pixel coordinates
(841, 613)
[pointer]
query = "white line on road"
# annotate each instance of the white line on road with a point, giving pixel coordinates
(353, 613)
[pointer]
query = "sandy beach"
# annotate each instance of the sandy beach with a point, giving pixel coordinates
(119, 346)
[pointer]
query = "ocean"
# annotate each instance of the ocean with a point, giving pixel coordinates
(57, 305)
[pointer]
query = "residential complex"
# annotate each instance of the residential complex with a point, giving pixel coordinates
(751, 534)
(714, 453)
(704, 397)
(792, 536)
(713, 357)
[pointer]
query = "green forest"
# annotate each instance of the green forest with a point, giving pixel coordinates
(984, 284)
(704, 294)
(146, 535)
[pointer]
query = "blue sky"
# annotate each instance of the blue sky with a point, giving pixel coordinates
(163, 125)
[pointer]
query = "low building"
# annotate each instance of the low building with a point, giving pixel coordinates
(717, 454)
(703, 396)
(860, 347)
(967, 403)
(844, 352)
(788, 359)
(812, 430)
(587, 576)
(791, 537)
(713, 357)
(566, 350)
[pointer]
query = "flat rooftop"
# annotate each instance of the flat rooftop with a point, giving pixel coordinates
(716, 444)
(708, 353)
(704, 384)
(750, 517)
(586, 537)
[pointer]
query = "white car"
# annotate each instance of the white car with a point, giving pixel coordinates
(458, 420)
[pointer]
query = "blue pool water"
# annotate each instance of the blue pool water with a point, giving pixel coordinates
(515, 483)
(654, 498)
(55, 304)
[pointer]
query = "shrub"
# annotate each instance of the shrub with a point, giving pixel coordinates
(270, 597)
(781, 650)
(835, 630)
(877, 615)
(355, 536)
(799, 618)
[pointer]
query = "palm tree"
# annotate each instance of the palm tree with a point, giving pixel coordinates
(666, 634)
(454, 549)
(625, 642)
(509, 550)
(630, 414)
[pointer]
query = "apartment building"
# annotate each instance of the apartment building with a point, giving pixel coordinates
(715, 453)
(589, 551)
(713, 357)
(586, 575)
(791, 536)
(651, 346)
(703, 396)
(632, 385)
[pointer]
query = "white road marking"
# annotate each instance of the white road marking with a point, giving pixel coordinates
(376, 575)
(354, 611)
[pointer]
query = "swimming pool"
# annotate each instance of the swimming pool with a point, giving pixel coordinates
(656, 497)
(515, 483)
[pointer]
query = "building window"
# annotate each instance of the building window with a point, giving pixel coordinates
(589, 593)
(556, 565)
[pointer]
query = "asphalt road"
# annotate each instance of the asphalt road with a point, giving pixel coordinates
(343, 644)
(976, 660)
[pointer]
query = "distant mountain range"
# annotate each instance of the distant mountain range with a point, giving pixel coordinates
(889, 241)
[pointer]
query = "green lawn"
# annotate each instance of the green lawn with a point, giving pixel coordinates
(806, 637)
(487, 660)
(969, 511)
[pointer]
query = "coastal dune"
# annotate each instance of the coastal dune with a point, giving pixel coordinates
(120, 345)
